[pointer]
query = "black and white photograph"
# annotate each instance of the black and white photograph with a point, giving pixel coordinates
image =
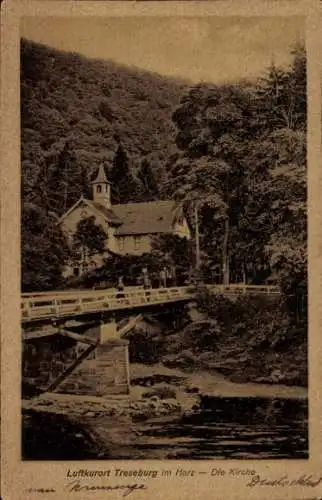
(163, 238)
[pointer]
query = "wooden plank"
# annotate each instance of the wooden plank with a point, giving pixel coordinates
(130, 325)
(71, 368)
(78, 337)
(36, 334)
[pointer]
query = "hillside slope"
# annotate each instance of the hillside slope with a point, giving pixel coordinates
(91, 104)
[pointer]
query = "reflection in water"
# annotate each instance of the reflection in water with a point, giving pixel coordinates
(223, 428)
(235, 428)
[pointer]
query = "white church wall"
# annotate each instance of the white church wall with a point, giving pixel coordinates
(81, 212)
(112, 243)
(133, 244)
(69, 226)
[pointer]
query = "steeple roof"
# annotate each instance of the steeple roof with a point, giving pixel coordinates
(101, 176)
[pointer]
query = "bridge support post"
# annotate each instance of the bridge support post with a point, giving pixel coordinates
(112, 367)
(104, 373)
(112, 360)
(108, 331)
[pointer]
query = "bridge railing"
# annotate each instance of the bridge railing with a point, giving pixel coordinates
(63, 293)
(34, 307)
(60, 304)
(236, 288)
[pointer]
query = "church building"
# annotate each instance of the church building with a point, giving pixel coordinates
(129, 227)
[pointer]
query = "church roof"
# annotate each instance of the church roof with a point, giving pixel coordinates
(145, 218)
(101, 176)
(151, 217)
(109, 213)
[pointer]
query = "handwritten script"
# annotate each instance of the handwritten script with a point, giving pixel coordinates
(308, 481)
(127, 489)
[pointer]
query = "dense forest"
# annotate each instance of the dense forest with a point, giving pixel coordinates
(232, 154)
(77, 113)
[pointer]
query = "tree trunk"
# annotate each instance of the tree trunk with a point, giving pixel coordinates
(225, 256)
(244, 274)
(197, 236)
(65, 197)
(84, 257)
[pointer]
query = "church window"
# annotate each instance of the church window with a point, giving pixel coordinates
(76, 271)
(136, 242)
(99, 188)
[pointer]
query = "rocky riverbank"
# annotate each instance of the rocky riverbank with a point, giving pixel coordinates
(65, 426)
(157, 391)
(87, 407)
(164, 417)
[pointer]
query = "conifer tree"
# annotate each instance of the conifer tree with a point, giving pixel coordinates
(148, 180)
(44, 250)
(124, 185)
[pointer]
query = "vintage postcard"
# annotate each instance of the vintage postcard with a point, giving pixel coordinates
(161, 256)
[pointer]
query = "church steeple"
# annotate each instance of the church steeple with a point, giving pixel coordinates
(102, 188)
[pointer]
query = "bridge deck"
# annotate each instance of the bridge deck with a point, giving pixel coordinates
(50, 305)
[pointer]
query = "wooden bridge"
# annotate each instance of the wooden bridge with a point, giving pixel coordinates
(66, 304)
(75, 341)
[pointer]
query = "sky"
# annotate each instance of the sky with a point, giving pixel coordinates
(212, 49)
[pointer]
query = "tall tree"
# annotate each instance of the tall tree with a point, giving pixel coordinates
(174, 253)
(233, 138)
(147, 177)
(124, 185)
(284, 188)
(213, 123)
(44, 250)
(61, 181)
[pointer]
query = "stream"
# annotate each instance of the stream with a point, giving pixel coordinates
(223, 428)
(230, 428)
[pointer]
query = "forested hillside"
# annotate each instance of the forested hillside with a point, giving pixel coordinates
(234, 153)
(77, 113)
